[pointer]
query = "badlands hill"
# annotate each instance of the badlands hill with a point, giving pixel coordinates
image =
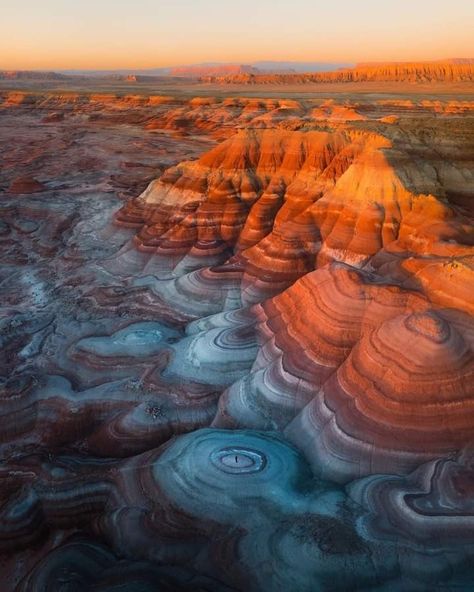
(285, 202)
(261, 376)
(347, 241)
(440, 71)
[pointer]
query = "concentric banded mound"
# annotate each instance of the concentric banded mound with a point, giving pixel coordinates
(304, 335)
(403, 396)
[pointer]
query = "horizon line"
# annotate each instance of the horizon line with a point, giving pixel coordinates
(337, 63)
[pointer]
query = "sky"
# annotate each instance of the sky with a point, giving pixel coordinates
(107, 34)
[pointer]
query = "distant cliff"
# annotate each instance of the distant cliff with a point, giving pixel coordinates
(455, 70)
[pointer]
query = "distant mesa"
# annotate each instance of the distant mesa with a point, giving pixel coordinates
(453, 70)
(449, 61)
(449, 70)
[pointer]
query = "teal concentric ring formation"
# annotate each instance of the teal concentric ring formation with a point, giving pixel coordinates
(238, 460)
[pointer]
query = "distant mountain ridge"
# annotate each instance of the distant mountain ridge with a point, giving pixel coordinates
(31, 75)
(449, 70)
(195, 71)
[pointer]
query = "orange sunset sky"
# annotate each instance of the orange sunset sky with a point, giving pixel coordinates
(55, 34)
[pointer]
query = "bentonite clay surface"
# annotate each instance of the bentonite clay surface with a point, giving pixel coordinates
(236, 343)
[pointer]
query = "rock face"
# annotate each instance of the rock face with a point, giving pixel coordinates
(255, 374)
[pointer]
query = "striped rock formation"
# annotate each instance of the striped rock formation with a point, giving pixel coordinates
(404, 395)
(334, 371)
(304, 288)
(278, 204)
